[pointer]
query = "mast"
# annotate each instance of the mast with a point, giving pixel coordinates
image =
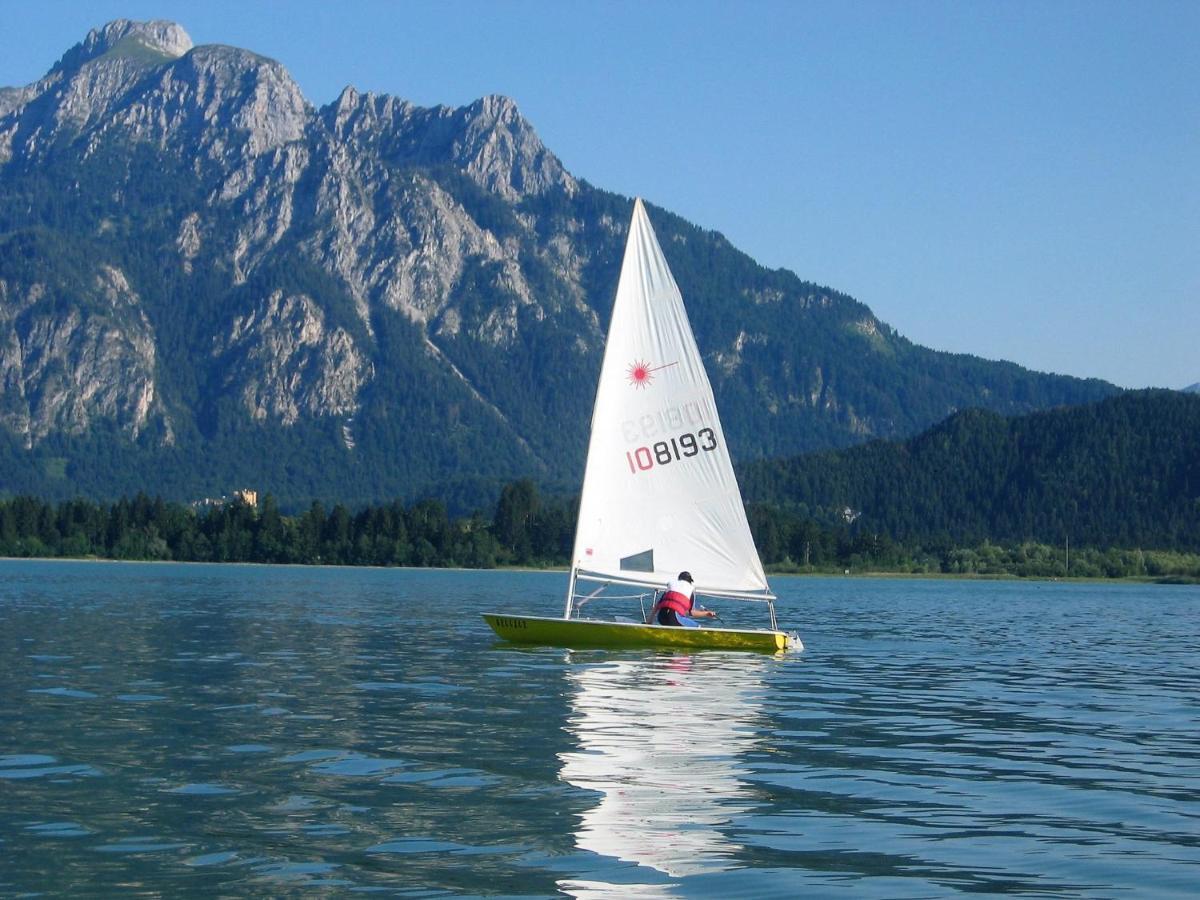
(570, 593)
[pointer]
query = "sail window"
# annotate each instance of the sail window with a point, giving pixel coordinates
(639, 562)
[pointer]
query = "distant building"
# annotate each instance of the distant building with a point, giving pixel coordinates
(242, 495)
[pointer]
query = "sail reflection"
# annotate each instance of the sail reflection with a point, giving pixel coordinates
(663, 741)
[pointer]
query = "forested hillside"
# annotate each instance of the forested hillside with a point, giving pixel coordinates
(1107, 490)
(1124, 472)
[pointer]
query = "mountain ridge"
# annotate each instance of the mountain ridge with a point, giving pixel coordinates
(195, 260)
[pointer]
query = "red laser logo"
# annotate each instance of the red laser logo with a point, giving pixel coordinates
(640, 373)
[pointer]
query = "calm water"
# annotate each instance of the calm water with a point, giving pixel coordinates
(202, 730)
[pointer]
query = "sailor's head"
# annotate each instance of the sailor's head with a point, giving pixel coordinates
(686, 576)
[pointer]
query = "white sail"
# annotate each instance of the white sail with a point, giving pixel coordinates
(659, 494)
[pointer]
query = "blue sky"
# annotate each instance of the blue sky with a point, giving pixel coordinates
(1017, 180)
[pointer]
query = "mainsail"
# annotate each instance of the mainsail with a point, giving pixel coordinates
(659, 494)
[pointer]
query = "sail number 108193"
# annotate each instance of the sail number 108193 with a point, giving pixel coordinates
(663, 453)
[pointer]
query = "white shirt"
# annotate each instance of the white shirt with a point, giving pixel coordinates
(682, 587)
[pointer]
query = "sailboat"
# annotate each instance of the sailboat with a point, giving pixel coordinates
(659, 493)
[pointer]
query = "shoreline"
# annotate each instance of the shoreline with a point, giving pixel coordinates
(563, 570)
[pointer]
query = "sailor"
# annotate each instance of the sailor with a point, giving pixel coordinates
(677, 605)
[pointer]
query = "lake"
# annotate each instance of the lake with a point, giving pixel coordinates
(190, 730)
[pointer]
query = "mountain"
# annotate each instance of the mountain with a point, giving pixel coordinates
(1192, 388)
(1123, 472)
(206, 283)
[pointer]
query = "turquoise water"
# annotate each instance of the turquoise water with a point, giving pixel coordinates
(176, 730)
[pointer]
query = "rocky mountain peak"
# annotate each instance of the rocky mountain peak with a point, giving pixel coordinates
(489, 140)
(236, 87)
(496, 109)
(158, 41)
(146, 81)
(91, 81)
(500, 150)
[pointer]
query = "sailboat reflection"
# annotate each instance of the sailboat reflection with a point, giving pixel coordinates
(663, 741)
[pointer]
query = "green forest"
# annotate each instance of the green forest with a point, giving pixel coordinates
(522, 530)
(1107, 490)
(1124, 472)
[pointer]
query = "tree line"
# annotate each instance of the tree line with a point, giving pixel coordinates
(524, 528)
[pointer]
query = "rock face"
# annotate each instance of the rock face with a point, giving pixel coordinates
(87, 86)
(62, 368)
(284, 361)
(189, 249)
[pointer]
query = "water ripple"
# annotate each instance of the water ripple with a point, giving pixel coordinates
(234, 731)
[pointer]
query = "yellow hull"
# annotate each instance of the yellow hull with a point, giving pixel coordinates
(594, 633)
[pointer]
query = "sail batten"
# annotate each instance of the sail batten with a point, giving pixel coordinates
(659, 486)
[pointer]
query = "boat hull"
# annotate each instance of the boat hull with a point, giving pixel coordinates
(595, 633)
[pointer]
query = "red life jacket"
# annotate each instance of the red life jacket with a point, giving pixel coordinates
(680, 603)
